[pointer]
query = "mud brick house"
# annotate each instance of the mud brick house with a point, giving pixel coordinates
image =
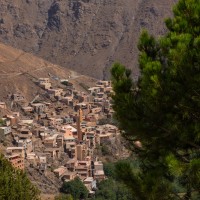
(5, 130)
(39, 107)
(98, 171)
(25, 134)
(16, 160)
(3, 105)
(83, 169)
(44, 83)
(16, 150)
(17, 97)
(60, 171)
(50, 141)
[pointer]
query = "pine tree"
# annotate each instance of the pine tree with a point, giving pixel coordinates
(162, 109)
(14, 184)
(76, 188)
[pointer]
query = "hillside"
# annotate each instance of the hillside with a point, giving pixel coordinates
(83, 35)
(19, 72)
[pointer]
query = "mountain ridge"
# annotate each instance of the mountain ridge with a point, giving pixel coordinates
(84, 35)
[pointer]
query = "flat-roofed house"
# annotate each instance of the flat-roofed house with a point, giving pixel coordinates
(53, 153)
(98, 171)
(60, 171)
(16, 150)
(18, 97)
(82, 151)
(39, 107)
(3, 105)
(104, 137)
(90, 183)
(28, 109)
(69, 143)
(43, 80)
(16, 160)
(83, 169)
(27, 144)
(50, 141)
(12, 119)
(59, 141)
(44, 83)
(71, 164)
(56, 92)
(69, 176)
(5, 130)
(25, 134)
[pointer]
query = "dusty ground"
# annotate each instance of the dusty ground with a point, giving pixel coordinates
(19, 72)
(47, 196)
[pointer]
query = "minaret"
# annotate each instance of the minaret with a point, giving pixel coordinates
(78, 123)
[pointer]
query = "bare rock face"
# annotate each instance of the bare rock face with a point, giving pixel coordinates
(84, 35)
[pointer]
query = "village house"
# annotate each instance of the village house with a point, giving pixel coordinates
(52, 153)
(82, 97)
(60, 171)
(96, 109)
(83, 169)
(82, 151)
(44, 83)
(39, 107)
(59, 141)
(108, 90)
(16, 160)
(68, 120)
(70, 129)
(12, 119)
(50, 141)
(16, 150)
(91, 136)
(27, 144)
(69, 143)
(70, 149)
(25, 122)
(3, 105)
(56, 92)
(5, 130)
(42, 163)
(92, 117)
(103, 83)
(90, 184)
(103, 137)
(98, 171)
(55, 121)
(94, 90)
(82, 106)
(100, 95)
(32, 158)
(25, 134)
(69, 176)
(17, 97)
(71, 164)
(43, 135)
(27, 109)
(43, 80)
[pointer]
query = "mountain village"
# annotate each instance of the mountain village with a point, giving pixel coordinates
(60, 128)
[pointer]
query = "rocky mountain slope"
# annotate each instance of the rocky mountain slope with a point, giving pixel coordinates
(19, 72)
(84, 35)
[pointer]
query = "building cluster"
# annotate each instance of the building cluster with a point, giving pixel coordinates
(65, 126)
